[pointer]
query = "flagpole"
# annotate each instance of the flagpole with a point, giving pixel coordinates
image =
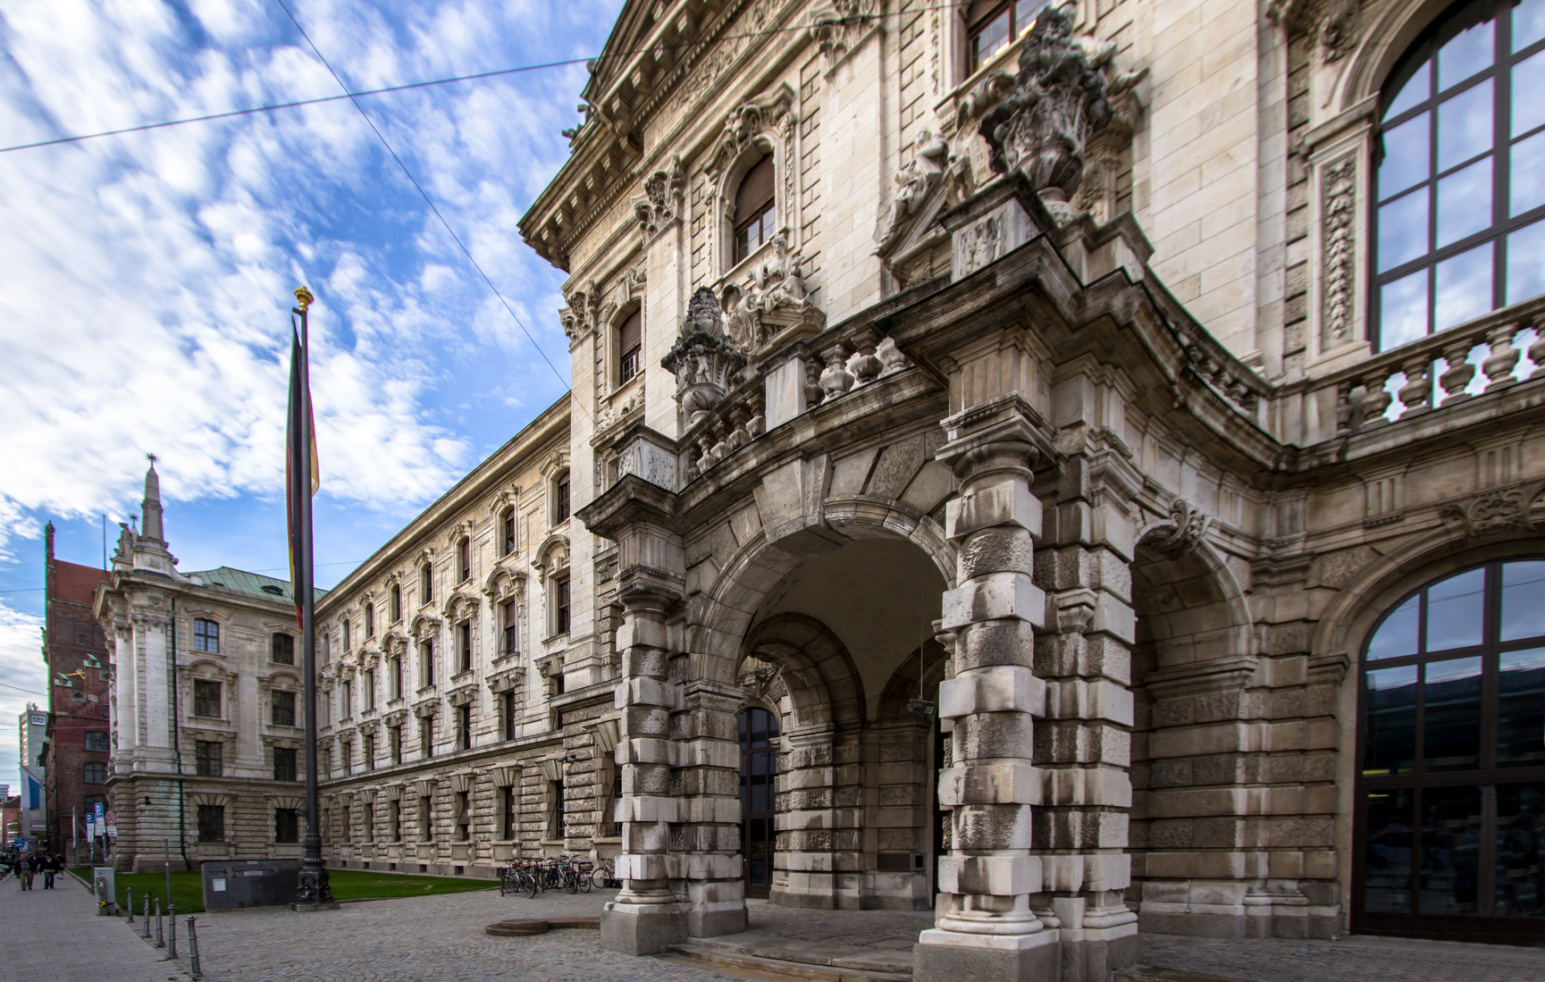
(312, 892)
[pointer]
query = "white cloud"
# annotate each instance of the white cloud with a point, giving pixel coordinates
(21, 668)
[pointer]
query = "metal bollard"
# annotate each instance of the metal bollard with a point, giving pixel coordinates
(171, 938)
(193, 962)
(147, 917)
(128, 902)
(160, 937)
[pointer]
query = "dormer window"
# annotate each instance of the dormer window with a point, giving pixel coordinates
(756, 214)
(992, 25)
(630, 337)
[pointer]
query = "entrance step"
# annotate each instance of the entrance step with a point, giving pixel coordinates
(778, 959)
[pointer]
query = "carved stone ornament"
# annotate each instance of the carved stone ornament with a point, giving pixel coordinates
(1061, 98)
(583, 312)
(837, 29)
(703, 360)
(770, 300)
(913, 183)
(1338, 31)
(661, 202)
(1188, 530)
(763, 114)
(1503, 510)
(617, 412)
(1338, 206)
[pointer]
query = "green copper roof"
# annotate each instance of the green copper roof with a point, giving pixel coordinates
(254, 585)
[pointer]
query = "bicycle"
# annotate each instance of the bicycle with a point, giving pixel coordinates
(604, 874)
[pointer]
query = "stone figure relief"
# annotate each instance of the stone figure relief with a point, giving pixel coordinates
(1338, 207)
(770, 300)
(979, 243)
(913, 182)
(1062, 97)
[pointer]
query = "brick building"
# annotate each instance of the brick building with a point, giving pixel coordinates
(79, 681)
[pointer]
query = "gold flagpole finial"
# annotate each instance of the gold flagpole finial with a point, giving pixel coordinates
(303, 297)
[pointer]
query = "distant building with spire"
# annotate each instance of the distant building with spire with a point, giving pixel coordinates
(206, 705)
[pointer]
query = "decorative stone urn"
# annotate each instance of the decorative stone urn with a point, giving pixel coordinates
(703, 360)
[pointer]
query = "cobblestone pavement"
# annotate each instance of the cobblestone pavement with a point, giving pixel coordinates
(1361, 959)
(55, 936)
(422, 939)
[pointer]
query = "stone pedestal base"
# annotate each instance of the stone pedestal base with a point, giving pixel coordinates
(713, 923)
(1096, 954)
(949, 956)
(643, 929)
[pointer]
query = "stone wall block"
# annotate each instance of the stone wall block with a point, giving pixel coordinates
(994, 735)
(646, 691)
(1002, 688)
(991, 827)
(994, 876)
(995, 550)
(995, 783)
(1005, 642)
(1007, 502)
(993, 597)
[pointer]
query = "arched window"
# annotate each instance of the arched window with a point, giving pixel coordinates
(1451, 770)
(630, 337)
(1460, 190)
(756, 214)
(991, 25)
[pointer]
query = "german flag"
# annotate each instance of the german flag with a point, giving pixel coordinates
(300, 464)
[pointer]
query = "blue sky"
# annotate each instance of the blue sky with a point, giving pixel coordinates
(148, 276)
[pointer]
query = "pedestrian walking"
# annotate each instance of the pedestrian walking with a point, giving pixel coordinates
(50, 867)
(25, 872)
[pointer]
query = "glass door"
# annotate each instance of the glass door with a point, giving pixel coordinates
(758, 798)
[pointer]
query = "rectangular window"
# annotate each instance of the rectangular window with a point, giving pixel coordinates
(286, 825)
(464, 727)
(394, 821)
(206, 636)
(348, 699)
(394, 735)
(426, 736)
(426, 661)
(426, 821)
(369, 691)
(346, 756)
(508, 699)
(208, 758)
(370, 822)
(396, 603)
(629, 346)
(464, 559)
(98, 742)
(555, 809)
(370, 751)
(507, 813)
(95, 772)
(463, 815)
(509, 636)
(283, 708)
(426, 584)
(464, 637)
(284, 764)
(345, 636)
(327, 647)
(509, 531)
(370, 621)
(211, 823)
(206, 698)
(561, 500)
(561, 605)
(396, 664)
(282, 649)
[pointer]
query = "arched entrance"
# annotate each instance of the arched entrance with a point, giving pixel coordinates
(758, 798)
(1450, 821)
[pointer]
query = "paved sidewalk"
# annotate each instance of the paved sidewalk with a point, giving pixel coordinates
(56, 936)
(1355, 959)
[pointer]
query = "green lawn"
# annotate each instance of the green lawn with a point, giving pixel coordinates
(188, 893)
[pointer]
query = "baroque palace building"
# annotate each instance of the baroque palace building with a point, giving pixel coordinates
(1073, 467)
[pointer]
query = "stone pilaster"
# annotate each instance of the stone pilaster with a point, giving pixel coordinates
(1084, 745)
(985, 928)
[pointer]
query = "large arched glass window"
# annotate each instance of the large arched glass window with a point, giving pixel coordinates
(1460, 189)
(1451, 786)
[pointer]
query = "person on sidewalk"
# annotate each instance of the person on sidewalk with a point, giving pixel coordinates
(50, 867)
(25, 872)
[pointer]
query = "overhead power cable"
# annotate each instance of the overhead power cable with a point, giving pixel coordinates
(406, 86)
(432, 207)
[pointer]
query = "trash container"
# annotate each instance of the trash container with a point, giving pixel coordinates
(229, 884)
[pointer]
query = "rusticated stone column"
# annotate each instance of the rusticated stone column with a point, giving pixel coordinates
(709, 749)
(647, 915)
(985, 928)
